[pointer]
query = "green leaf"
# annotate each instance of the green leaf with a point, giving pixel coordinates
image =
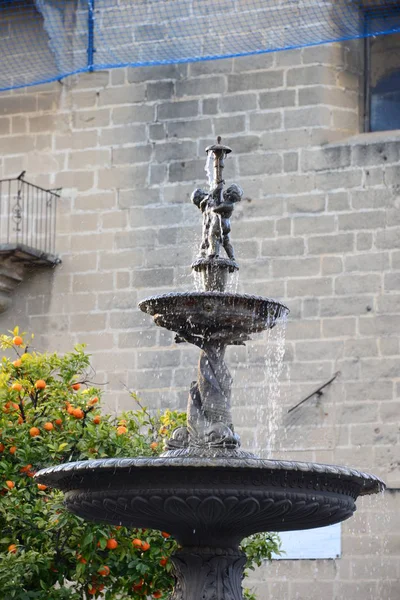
(62, 446)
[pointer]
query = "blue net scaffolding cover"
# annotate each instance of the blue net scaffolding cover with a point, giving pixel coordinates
(45, 40)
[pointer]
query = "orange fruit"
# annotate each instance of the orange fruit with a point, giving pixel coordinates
(138, 585)
(137, 543)
(2, 447)
(48, 426)
(163, 561)
(165, 534)
(70, 409)
(17, 387)
(154, 445)
(145, 546)
(97, 419)
(121, 430)
(81, 559)
(17, 340)
(111, 544)
(25, 469)
(12, 548)
(100, 587)
(78, 413)
(41, 487)
(13, 449)
(93, 401)
(20, 420)
(58, 422)
(104, 571)
(40, 384)
(10, 484)
(76, 386)
(34, 431)
(92, 590)
(17, 363)
(157, 594)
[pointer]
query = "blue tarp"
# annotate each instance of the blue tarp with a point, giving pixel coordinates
(45, 40)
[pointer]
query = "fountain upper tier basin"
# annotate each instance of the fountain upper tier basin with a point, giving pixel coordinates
(210, 501)
(214, 315)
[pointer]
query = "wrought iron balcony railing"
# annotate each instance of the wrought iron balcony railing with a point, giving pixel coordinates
(28, 222)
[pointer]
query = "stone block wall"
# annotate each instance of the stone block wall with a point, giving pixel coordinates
(318, 228)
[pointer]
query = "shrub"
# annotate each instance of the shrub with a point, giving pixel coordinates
(49, 414)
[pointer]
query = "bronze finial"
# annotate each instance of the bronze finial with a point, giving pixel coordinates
(219, 151)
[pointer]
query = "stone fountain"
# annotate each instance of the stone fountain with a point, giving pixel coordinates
(204, 490)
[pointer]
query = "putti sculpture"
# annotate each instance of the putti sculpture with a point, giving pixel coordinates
(217, 207)
(204, 489)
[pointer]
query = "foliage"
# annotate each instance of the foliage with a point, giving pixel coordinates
(49, 414)
(258, 548)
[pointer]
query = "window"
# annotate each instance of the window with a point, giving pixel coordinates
(323, 543)
(382, 73)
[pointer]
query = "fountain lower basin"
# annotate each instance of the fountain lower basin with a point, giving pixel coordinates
(210, 501)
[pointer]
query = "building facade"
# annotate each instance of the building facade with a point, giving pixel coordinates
(318, 228)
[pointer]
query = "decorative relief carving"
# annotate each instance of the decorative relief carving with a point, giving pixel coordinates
(208, 574)
(215, 517)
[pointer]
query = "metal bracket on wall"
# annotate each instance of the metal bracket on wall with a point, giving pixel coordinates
(317, 392)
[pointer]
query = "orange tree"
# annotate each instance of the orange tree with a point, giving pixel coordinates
(49, 414)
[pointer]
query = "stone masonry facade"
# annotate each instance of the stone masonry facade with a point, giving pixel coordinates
(318, 228)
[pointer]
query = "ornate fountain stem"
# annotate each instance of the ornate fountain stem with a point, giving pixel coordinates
(209, 416)
(208, 574)
(209, 406)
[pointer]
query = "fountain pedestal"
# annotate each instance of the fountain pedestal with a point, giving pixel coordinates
(208, 573)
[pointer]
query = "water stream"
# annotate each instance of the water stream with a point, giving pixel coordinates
(209, 171)
(270, 409)
(257, 369)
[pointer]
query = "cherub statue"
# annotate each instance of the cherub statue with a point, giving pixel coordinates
(217, 208)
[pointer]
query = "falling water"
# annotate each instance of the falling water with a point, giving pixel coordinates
(372, 526)
(269, 411)
(198, 281)
(208, 171)
(256, 369)
(233, 282)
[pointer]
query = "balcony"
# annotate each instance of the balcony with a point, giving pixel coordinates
(27, 232)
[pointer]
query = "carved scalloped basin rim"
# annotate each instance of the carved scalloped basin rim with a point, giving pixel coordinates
(214, 310)
(72, 475)
(182, 300)
(152, 302)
